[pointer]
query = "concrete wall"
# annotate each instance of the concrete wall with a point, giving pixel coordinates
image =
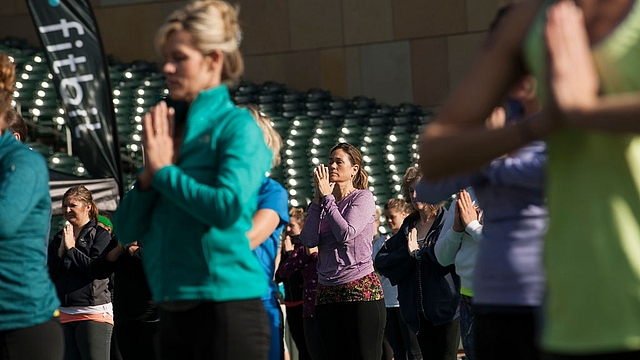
(393, 50)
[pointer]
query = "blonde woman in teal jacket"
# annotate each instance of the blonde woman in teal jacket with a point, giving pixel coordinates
(194, 200)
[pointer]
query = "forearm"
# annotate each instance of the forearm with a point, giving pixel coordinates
(132, 219)
(447, 247)
(310, 234)
(616, 113)
(449, 149)
(291, 264)
(525, 170)
(265, 222)
(355, 219)
(435, 191)
(474, 229)
(102, 268)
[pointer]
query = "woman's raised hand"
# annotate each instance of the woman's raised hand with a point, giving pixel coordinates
(466, 210)
(158, 141)
(412, 241)
(572, 78)
(321, 178)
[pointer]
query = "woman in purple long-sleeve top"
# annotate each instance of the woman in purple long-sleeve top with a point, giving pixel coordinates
(350, 310)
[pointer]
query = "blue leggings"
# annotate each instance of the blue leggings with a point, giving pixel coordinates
(467, 328)
(276, 348)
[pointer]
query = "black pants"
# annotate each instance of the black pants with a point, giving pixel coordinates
(39, 342)
(216, 330)
(439, 342)
(137, 340)
(294, 320)
(506, 332)
(352, 330)
(312, 337)
(635, 355)
(401, 339)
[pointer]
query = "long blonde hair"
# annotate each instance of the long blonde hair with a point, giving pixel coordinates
(271, 136)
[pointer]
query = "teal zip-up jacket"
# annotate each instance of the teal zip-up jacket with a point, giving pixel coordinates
(194, 219)
(27, 295)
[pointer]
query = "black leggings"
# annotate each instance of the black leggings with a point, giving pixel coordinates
(137, 339)
(352, 330)
(506, 332)
(39, 342)
(312, 337)
(296, 328)
(216, 330)
(402, 340)
(441, 341)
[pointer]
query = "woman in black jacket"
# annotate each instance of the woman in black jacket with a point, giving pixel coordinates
(86, 313)
(429, 293)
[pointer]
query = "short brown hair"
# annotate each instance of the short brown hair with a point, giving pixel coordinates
(15, 123)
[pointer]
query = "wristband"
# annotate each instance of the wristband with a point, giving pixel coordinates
(416, 254)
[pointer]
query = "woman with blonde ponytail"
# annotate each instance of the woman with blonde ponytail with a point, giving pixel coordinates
(350, 310)
(194, 200)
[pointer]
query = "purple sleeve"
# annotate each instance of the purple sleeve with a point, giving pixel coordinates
(433, 192)
(524, 169)
(293, 263)
(357, 216)
(310, 234)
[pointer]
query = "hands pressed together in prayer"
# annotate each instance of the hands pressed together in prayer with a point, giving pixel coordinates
(465, 211)
(572, 79)
(322, 185)
(158, 126)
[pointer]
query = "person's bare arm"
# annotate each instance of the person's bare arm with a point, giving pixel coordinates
(458, 140)
(265, 222)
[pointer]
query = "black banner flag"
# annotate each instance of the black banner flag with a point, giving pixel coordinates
(73, 47)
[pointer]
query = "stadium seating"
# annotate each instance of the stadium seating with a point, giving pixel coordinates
(310, 123)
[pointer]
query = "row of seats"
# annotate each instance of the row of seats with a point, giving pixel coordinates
(310, 123)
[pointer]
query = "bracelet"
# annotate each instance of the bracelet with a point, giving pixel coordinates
(416, 254)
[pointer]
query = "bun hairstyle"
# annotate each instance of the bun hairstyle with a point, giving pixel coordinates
(361, 179)
(297, 213)
(213, 25)
(7, 81)
(83, 194)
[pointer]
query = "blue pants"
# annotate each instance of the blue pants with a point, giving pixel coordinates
(276, 347)
(466, 327)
